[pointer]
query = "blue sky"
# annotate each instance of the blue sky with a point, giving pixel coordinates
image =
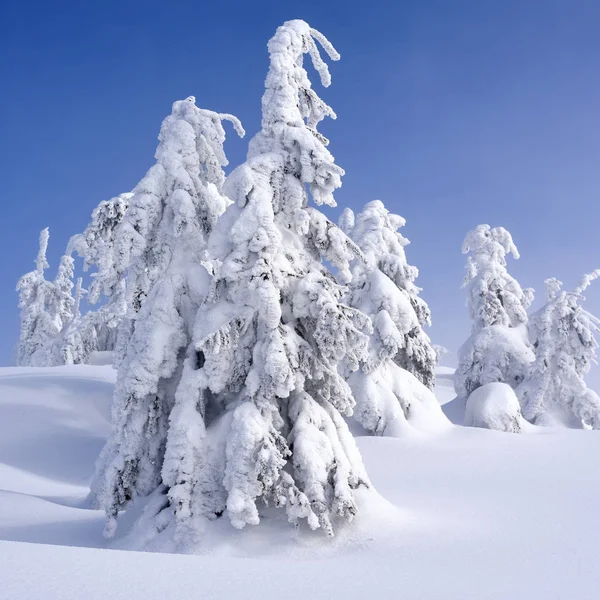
(453, 113)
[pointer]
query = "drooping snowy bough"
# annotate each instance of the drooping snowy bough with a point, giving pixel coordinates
(160, 249)
(498, 349)
(564, 338)
(399, 349)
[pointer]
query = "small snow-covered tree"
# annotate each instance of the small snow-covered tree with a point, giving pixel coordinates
(62, 301)
(60, 305)
(39, 326)
(564, 337)
(160, 250)
(383, 287)
(440, 353)
(274, 331)
(78, 339)
(97, 246)
(498, 349)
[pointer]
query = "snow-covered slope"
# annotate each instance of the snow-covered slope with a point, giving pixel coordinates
(463, 514)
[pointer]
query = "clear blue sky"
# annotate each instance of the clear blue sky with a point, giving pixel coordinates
(453, 113)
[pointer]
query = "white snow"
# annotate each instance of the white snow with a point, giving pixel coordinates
(494, 406)
(463, 514)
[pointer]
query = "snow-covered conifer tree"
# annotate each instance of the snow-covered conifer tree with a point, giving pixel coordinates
(563, 334)
(383, 287)
(60, 306)
(78, 339)
(63, 302)
(375, 232)
(160, 250)
(270, 339)
(258, 401)
(440, 353)
(97, 246)
(38, 325)
(498, 349)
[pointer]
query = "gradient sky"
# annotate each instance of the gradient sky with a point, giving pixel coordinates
(453, 113)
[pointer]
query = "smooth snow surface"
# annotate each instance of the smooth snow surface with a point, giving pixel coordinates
(444, 385)
(463, 514)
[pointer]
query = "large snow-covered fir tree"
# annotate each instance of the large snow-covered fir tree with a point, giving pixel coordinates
(563, 334)
(160, 249)
(37, 301)
(270, 340)
(97, 329)
(498, 349)
(255, 403)
(383, 287)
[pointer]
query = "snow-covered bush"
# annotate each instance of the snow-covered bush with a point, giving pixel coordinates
(498, 348)
(494, 406)
(161, 246)
(39, 310)
(383, 288)
(563, 334)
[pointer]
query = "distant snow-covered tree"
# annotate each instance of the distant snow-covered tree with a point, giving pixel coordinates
(440, 353)
(97, 246)
(160, 250)
(564, 337)
(498, 349)
(62, 301)
(78, 339)
(60, 305)
(383, 287)
(36, 300)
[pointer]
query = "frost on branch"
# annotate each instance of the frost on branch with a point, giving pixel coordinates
(564, 338)
(498, 349)
(160, 249)
(383, 287)
(275, 328)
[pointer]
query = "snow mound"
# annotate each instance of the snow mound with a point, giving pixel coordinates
(494, 406)
(395, 403)
(424, 412)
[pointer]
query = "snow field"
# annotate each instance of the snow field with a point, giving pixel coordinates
(465, 513)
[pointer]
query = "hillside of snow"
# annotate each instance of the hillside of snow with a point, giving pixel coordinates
(463, 514)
